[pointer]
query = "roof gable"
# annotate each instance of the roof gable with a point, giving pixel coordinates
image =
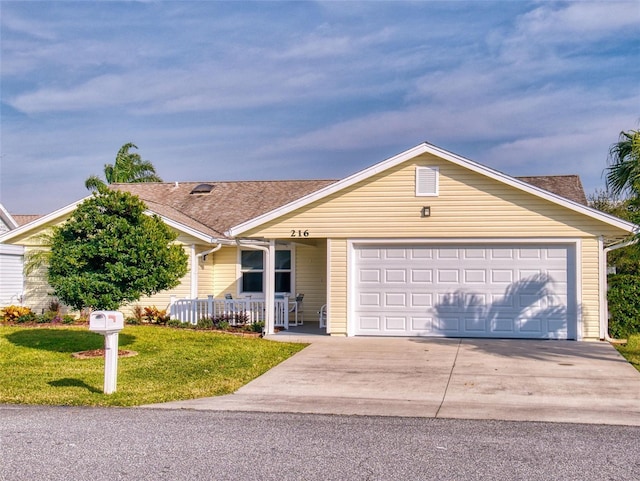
(409, 154)
(7, 219)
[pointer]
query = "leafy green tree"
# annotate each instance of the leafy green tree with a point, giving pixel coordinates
(109, 253)
(129, 167)
(627, 259)
(623, 173)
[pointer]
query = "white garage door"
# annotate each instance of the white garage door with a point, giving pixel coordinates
(514, 291)
(11, 279)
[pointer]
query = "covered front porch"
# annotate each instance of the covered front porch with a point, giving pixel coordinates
(280, 283)
(287, 312)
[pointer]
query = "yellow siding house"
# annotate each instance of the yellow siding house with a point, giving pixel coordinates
(426, 243)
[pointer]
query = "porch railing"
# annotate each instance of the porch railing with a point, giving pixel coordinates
(235, 311)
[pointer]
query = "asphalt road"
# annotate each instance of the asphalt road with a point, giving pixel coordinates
(64, 443)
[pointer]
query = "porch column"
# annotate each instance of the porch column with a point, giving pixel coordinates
(269, 288)
(193, 292)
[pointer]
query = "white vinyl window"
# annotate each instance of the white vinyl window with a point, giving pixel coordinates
(252, 271)
(427, 181)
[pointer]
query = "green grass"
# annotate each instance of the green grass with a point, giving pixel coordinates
(631, 351)
(36, 366)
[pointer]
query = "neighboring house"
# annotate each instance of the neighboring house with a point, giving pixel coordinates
(11, 260)
(426, 243)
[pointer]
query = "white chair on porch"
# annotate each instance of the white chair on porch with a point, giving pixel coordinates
(297, 309)
(322, 317)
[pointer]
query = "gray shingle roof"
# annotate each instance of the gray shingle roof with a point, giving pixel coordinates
(228, 204)
(567, 186)
(231, 203)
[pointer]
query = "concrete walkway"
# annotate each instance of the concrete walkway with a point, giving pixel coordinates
(558, 381)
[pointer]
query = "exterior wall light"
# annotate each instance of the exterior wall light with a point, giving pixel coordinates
(426, 211)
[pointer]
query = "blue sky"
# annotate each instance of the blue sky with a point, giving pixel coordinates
(277, 90)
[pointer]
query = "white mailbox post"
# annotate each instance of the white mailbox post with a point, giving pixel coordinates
(109, 324)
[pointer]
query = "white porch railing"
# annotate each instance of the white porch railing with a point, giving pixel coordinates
(235, 311)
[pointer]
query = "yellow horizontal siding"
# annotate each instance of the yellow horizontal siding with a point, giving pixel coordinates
(469, 205)
(590, 290)
(310, 278)
(225, 272)
(337, 305)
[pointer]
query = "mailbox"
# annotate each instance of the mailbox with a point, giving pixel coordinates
(106, 321)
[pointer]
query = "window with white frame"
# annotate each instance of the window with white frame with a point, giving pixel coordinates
(252, 271)
(283, 271)
(252, 268)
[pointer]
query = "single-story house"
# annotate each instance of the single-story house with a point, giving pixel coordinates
(425, 243)
(11, 260)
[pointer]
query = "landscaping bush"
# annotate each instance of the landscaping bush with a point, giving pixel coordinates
(205, 323)
(175, 323)
(13, 314)
(153, 315)
(624, 305)
(257, 326)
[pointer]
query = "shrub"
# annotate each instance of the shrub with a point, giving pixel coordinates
(14, 313)
(68, 319)
(174, 323)
(154, 315)
(133, 321)
(205, 323)
(624, 305)
(30, 317)
(54, 306)
(233, 319)
(223, 325)
(138, 316)
(257, 326)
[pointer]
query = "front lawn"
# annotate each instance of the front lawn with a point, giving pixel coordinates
(631, 350)
(36, 365)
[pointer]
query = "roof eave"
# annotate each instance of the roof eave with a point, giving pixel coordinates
(41, 221)
(190, 230)
(7, 218)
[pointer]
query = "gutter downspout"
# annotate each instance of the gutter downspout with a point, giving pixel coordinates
(604, 307)
(269, 291)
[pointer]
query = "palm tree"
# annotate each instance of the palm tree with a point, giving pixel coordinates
(623, 173)
(129, 167)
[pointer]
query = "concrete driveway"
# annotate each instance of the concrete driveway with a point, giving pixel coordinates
(559, 381)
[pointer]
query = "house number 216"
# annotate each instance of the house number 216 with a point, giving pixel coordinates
(299, 233)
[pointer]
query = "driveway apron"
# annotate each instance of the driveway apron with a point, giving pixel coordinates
(559, 381)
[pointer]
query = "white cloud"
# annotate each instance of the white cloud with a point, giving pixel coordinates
(586, 19)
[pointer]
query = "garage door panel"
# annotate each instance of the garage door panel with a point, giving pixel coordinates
(448, 276)
(501, 276)
(473, 276)
(492, 291)
(370, 275)
(395, 323)
(474, 254)
(421, 299)
(448, 324)
(395, 253)
(475, 325)
(395, 299)
(425, 253)
(422, 276)
(395, 275)
(370, 299)
(421, 323)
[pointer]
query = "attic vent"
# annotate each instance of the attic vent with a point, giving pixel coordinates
(202, 189)
(427, 184)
